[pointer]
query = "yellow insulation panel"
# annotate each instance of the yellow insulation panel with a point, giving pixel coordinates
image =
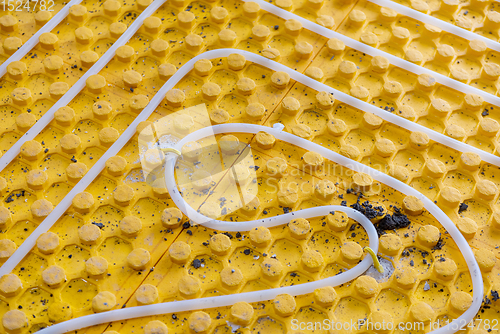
(123, 242)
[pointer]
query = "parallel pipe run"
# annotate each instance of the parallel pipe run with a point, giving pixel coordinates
(30, 43)
(11, 154)
(65, 203)
(316, 28)
(457, 31)
(353, 44)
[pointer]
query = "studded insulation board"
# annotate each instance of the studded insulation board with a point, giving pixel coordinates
(16, 27)
(480, 17)
(467, 61)
(123, 243)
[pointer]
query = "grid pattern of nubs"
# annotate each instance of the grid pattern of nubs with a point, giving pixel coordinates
(191, 262)
(480, 17)
(81, 132)
(442, 52)
(464, 117)
(22, 23)
(385, 29)
(78, 137)
(207, 263)
(33, 84)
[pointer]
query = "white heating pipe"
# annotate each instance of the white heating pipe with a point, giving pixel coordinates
(249, 297)
(443, 25)
(396, 61)
(30, 43)
(77, 87)
(433, 209)
(65, 203)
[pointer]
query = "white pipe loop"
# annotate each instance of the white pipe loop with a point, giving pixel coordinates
(433, 209)
(65, 203)
(228, 300)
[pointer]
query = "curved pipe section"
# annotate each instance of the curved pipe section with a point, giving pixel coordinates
(155, 309)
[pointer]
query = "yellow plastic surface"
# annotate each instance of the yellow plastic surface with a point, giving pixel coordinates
(479, 17)
(121, 244)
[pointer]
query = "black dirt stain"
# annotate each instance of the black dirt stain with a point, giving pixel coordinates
(394, 221)
(462, 207)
